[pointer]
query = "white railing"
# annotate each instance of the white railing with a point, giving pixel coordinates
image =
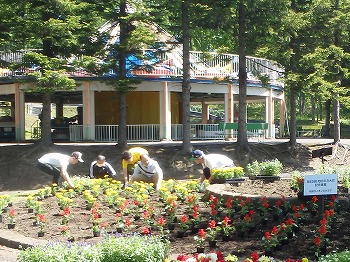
(169, 64)
(150, 133)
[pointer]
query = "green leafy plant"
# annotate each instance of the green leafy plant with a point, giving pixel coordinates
(266, 168)
(131, 248)
(227, 172)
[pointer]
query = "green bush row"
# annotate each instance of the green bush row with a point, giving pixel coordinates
(112, 248)
(266, 168)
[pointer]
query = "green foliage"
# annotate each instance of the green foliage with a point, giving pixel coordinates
(123, 249)
(266, 168)
(227, 172)
(336, 257)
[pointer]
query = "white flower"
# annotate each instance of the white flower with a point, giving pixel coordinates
(213, 257)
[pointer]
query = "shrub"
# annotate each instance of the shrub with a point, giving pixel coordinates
(267, 168)
(117, 249)
(227, 172)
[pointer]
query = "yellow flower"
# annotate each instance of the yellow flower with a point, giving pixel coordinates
(231, 258)
(305, 259)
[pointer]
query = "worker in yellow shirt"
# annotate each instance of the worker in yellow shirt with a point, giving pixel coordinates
(130, 159)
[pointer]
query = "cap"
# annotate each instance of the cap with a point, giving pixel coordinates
(77, 155)
(197, 154)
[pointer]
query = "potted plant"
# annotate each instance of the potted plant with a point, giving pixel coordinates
(183, 225)
(41, 223)
(312, 205)
(227, 229)
(11, 217)
(212, 232)
(267, 170)
(223, 174)
(269, 242)
(200, 238)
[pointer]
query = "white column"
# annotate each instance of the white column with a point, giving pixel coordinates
(88, 112)
(282, 115)
(19, 113)
(269, 115)
(229, 108)
(165, 113)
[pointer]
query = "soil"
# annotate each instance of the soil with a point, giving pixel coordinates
(18, 162)
(18, 172)
(80, 225)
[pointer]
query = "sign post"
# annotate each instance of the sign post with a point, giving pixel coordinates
(320, 185)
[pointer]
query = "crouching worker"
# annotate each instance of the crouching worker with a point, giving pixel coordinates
(149, 171)
(209, 162)
(100, 168)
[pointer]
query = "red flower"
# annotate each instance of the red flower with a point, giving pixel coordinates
(146, 215)
(182, 257)
(267, 235)
(302, 207)
(322, 230)
(278, 203)
(254, 256)
(146, 231)
(295, 208)
(289, 221)
(184, 219)
(161, 221)
(251, 212)
(314, 199)
(212, 224)
(201, 233)
(127, 222)
(228, 203)
(247, 218)
(41, 218)
(274, 230)
(226, 221)
(266, 205)
(333, 198)
(12, 213)
(214, 212)
(195, 214)
(323, 221)
(195, 208)
(317, 241)
(66, 211)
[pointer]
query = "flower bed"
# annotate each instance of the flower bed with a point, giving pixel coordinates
(139, 209)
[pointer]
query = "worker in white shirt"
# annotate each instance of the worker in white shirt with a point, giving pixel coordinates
(149, 171)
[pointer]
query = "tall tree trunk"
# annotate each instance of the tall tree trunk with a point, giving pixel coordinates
(336, 117)
(46, 139)
(336, 104)
(293, 117)
(122, 136)
(313, 109)
(242, 139)
(46, 120)
(293, 89)
(327, 124)
(186, 86)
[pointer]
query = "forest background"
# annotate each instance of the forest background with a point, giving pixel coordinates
(310, 39)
